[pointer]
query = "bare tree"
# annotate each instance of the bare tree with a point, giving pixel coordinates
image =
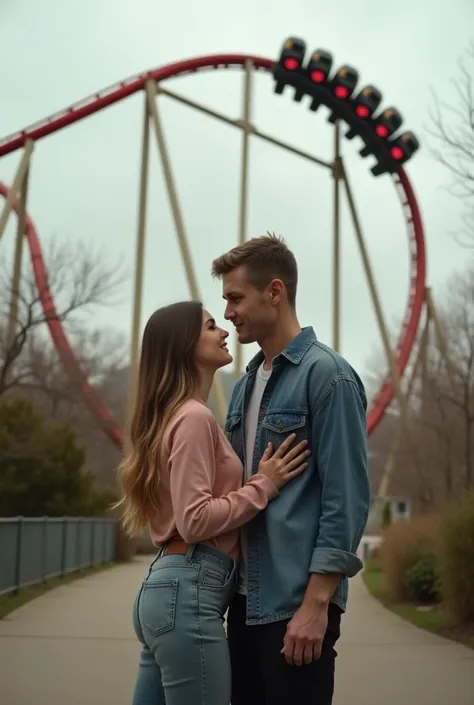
(79, 278)
(459, 392)
(100, 353)
(435, 456)
(392, 443)
(451, 128)
(436, 418)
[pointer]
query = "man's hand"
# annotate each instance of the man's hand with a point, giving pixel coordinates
(305, 634)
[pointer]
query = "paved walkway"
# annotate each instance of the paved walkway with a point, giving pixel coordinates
(75, 645)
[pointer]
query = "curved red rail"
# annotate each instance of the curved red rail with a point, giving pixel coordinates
(113, 94)
(123, 90)
(58, 335)
(415, 301)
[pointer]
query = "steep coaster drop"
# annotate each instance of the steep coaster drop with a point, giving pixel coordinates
(378, 130)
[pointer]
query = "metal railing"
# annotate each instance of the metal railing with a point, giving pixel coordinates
(33, 550)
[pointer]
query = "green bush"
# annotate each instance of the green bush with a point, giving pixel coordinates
(456, 559)
(41, 466)
(422, 579)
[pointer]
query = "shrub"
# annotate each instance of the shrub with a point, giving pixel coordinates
(403, 545)
(456, 559)
(42, 466)
(422, 579)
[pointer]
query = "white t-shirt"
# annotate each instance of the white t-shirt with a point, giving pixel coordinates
(251, 421)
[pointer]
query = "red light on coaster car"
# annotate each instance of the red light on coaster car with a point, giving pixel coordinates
(317, 76)
(362, 111)
(292, 54)
(319, 66)
(344, 82)
(341, 92)
(290, 64)
(404, 147)
(397, 153)
(388, 122)
(367, 102)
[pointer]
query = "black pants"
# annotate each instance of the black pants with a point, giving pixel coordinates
(260, 674)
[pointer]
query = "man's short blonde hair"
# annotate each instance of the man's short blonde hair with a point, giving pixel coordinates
(264, 258)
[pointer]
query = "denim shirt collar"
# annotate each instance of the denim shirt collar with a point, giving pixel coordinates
(294, 352)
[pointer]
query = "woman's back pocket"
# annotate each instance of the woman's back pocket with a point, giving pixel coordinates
(157, 608)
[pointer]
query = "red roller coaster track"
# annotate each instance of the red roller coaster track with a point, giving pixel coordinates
(124, 89)
(58, 334)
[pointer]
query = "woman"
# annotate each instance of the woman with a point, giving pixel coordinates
(183, 480)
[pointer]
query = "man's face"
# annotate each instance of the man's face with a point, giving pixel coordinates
(251, 311)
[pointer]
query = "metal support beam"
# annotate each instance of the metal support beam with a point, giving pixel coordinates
(239, 123)
(337, 175)
(247, 129)
(172, 193)
(17, 261)
(420, 366)
(139, 271)
(374, 293)
(389, 468)
(387, 475)
(217, 389)
(440, 336)
(423, 355)
(395, 377)
(16, 185)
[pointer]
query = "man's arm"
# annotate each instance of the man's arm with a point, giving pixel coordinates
(339, 436)
(339, 432)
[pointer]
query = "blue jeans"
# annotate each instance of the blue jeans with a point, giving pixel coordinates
(178, 617)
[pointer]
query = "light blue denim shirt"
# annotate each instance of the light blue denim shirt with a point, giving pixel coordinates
(316, 523)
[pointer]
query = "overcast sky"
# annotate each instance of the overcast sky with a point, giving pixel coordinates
(84, 182)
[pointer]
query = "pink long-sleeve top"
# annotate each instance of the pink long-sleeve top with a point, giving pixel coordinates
(200, 496)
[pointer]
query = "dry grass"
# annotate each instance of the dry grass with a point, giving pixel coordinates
(433, 620)
(402, 546)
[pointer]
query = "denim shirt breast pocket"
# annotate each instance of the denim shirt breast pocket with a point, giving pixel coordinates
(278, 424)
(233, 429)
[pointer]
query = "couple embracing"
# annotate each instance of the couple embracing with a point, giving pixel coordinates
(261, 520)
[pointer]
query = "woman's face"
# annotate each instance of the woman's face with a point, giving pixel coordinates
(211, 350)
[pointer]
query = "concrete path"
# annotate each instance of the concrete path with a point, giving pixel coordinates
(384, 659)
(75, 645)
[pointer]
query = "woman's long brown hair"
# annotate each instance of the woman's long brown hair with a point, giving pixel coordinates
(167, 376)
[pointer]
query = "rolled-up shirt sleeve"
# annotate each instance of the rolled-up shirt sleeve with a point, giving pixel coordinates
(199, 515)
(339, 432)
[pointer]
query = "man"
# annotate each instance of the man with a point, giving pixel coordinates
(297, 556)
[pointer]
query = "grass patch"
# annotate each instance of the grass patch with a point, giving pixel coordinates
(433, 620)
(11, 602)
